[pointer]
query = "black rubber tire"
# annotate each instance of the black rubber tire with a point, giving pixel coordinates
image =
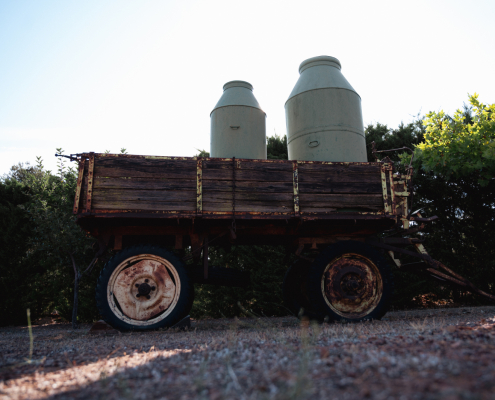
(316, 296)
(182, 307)
(294, 291)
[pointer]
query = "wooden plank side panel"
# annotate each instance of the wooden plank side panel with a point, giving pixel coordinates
(141, 184)
(332, 187)
(171, 185)
(259, 187)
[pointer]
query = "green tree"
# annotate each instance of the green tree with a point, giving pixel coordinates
(16, 273)
(466, 212)
(276, 148)
(202, 153)
(56, 236)
(462, 145)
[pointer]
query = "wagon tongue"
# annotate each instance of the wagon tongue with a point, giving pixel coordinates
(432, 267)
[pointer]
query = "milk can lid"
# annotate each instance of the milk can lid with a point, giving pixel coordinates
(232, 84)
(320, 60)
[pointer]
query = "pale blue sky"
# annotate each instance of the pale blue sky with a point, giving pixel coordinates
(145, 75)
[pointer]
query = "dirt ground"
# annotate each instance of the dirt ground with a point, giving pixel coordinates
(426, 354)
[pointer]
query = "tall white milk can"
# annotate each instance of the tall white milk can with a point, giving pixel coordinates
(323, 115)
(238, 124)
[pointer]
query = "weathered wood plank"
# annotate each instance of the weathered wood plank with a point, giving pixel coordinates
(343, 209)
(143, 183)
(222, 197)
(243, 206)
(126, 167)
(149, 206)
(145, 172)
(339, 200)
(177, 184)
(248, 175)
(340, 167)
(341, 187)
(247, 186)
(329, 177)
(118, 162)
(247, 165)
(145, 195)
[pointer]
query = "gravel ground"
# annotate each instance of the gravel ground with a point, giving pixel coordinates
(426, 354)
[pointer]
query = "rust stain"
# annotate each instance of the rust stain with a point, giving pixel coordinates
(295, 183)
(89, 191)
(199, 187)
(80, 178)
(145, 279)
(352, 285)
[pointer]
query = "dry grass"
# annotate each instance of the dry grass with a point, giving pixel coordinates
(428, 354)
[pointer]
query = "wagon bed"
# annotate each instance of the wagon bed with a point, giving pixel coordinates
(174, 195)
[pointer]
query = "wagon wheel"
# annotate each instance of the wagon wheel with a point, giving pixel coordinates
(142, 288)
(350, 281)
(294, 291)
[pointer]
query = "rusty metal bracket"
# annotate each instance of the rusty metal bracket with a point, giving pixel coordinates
(72, 157)
(386, 201)
(295, 182)
(80, 177)
(89, 192)
(199, 187)
(392, 190)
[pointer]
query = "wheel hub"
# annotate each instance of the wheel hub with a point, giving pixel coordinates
(351, 285)
(144, 289)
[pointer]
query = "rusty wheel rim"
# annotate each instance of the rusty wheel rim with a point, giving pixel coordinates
(143, 290)
(352, 286)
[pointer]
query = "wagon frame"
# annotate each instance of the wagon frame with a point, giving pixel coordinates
(124, 200)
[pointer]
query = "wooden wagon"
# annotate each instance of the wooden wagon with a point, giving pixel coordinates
(152, 209)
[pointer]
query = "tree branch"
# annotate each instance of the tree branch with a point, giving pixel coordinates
(76, 273)
(91, 265)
